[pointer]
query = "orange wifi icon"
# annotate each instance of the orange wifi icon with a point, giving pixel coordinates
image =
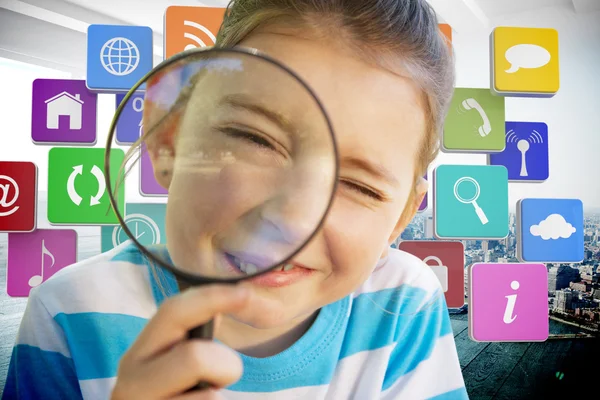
(191, 27)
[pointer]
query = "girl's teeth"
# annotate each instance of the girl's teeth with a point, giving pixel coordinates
(251, 269)
(248, 268)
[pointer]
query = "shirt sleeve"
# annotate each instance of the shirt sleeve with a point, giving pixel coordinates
(424, 363)
(41, 366)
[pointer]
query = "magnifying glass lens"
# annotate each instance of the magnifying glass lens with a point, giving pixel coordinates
(466, 190)
(247, 156)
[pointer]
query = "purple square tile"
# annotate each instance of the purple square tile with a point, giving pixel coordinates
(63, 112)
(148, 184)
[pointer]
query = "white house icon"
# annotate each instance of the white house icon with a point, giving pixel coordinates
(64, 104)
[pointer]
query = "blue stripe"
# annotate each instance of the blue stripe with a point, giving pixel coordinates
(417, 339)
(37, 374)
(458, 394)
(376, 317)
(130, 254)
(98, 340)
(308, 362)
(163, 283)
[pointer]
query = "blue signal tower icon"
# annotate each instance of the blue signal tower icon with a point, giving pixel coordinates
(526, 153)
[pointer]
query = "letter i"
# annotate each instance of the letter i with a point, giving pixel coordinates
(510, 304)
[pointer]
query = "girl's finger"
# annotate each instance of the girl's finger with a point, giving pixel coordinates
(182, 367)
(178, 314)
(204, 395)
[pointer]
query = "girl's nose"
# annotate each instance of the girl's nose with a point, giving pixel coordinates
(294, 212)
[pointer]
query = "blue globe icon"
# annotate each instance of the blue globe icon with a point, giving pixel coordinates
(119, 56)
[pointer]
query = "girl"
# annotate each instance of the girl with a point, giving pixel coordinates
(368, 322)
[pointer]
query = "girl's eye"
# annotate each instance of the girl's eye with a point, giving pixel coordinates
(246, 135)
(362, 190)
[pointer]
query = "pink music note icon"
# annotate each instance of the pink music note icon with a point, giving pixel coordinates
(37, 279)
(23, 270)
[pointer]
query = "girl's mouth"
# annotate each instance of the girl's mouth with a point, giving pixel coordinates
(282, 275)
(252, 269)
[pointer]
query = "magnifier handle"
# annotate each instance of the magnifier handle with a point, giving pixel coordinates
(481, 214)
(205, 331)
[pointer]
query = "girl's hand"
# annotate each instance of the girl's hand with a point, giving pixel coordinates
(163, 363)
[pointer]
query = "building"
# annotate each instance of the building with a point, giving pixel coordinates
(428, 228)
(563, 300)
(560, 276)
(580, 286)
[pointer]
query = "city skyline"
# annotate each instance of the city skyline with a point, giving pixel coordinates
(573, 288)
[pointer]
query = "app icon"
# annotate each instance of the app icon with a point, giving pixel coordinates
(189, 27)
(18, 196)
(129, 124)
(524, 62)
(550, 230)
(508, 302)
(63, 111)
(77, 191)
(34, 257)
(470, 202)
(447, 260)
(148, 184)
(146, 221)
(447, 32)
(423, 205)
(526, 153)
(118, 56)
(475, 122)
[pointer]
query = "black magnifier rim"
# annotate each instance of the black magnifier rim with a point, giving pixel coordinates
(182, 275)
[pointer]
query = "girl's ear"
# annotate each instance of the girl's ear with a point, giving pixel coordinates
(412, 206)
(159, 142)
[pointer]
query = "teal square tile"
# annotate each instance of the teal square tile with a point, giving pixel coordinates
(470, 202)
(146, 221)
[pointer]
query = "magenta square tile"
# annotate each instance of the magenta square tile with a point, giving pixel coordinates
(508, 302)
(36, 256)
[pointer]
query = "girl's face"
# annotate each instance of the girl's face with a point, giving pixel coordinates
(379, 121)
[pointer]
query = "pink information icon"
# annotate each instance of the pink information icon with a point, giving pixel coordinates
(34, 257)
(508, 302)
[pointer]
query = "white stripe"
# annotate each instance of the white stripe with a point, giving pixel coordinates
(439, 374)
(99, 285)
(360, 376)
(400, 268)
(94, 389)
(39, 329)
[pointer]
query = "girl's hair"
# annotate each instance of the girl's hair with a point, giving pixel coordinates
(389, 33)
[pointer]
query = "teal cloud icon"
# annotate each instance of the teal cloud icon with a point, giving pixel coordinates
(553, 227)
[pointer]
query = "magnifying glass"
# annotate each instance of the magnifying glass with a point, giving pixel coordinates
(472, 199)
(248, 156)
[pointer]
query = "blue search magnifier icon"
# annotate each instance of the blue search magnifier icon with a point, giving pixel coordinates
(473, 199)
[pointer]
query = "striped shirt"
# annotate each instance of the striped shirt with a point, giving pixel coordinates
(390, 339)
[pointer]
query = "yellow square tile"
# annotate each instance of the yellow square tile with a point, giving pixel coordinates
(524, 62)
